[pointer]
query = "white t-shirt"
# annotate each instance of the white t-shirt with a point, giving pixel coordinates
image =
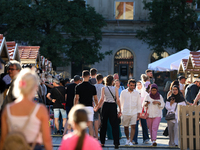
(181, 86)
(98, 89)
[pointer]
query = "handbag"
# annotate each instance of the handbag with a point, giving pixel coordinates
(144, 114)
(166, 132)
(170, 115)
(119, 118)
(64, 104)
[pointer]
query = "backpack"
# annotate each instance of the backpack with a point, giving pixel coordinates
(15, 139)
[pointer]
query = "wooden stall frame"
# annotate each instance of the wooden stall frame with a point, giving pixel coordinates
(188, 122)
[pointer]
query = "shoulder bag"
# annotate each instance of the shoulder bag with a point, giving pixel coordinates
(144, 114)
(171, 115)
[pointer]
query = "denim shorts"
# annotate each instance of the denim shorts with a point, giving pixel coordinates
(57, 112)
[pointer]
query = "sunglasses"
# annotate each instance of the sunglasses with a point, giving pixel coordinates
(12, 69)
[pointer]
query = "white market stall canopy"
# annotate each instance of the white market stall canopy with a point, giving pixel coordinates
(175, 65)
(164, 64)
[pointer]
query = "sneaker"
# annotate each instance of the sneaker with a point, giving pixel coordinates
(133, 142)
(116, 146)
(57, 133)
(62, 131)
(154, 143)
(127, 142)
(130, 144)
(146, 141)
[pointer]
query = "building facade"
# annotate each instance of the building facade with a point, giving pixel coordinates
(130, 56)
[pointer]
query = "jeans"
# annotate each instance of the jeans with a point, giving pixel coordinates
(144, 130)
(68, 110)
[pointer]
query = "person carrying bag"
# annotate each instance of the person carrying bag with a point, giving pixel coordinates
(171, 115)
(16, 139)
(172, 121)
(119, 117)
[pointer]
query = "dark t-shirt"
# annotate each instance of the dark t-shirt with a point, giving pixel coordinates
(86, 91)
(57, 95)
(93, 81)
(191, 92)
(70, 94)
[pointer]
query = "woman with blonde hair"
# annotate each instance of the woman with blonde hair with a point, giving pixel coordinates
(78, 139)
(28, 117)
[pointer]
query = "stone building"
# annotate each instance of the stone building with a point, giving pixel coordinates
(130, 55)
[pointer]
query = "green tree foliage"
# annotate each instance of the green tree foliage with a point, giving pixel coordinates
(61, 28)
(172, 25)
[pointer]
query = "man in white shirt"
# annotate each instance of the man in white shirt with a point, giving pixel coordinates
(182, 80)
(131, 108)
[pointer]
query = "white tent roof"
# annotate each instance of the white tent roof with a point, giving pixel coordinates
(175, 65)
(164, 63)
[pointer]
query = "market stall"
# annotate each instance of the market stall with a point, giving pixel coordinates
(29, 55)
(191, 66)
(13, 50)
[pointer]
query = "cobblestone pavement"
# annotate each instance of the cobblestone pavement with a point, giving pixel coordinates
(162, 141)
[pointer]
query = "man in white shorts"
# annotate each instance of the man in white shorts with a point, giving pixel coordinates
(131, 108)
(84, 94)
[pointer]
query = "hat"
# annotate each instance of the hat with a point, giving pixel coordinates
(181, 77)
(77, 78)
(197, 80)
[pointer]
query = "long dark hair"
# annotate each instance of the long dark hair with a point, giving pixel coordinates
(109, 80)
(80, 115)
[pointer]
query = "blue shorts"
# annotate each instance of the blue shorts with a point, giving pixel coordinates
(57, 112)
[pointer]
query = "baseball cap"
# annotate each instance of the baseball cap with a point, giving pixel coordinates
(77, 78)
(181, 77)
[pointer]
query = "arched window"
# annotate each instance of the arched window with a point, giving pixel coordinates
(155, 56)
(123, 64)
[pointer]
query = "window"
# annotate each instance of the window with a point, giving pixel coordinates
(124, 10)
(155, 56)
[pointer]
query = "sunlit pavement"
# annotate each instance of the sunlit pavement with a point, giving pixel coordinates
(162, 141)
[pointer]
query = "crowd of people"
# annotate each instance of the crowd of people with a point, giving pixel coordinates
(101, 104)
